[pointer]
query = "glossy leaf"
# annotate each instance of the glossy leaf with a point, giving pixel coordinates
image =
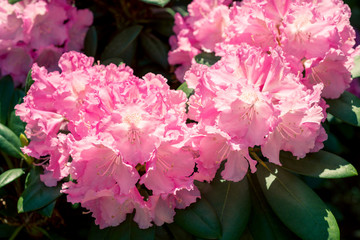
(47, 210)
(36, 195)
(207, 59)
(29, 81)
(91, 42)
(355, 72)
(13, 1)
(346, 108)
(6, 92)
(297, 206)
(127, 230)
(121, 42)
(233, 211)
(263, 223)
(184, 87)
(155, 49)
(199, 219)
(10, 175)
(178, 232)
(9, 142)
(160, 3)
(321, 164)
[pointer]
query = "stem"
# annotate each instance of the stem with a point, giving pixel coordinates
(16, 232)
(8, 160)
(257, 158)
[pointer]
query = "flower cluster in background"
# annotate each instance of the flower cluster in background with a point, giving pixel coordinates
(39, 31)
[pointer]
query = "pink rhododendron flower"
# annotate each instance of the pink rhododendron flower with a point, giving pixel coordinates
(245, 99)
(40, 31)
(127, 139)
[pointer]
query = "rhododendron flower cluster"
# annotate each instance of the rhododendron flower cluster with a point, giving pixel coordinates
(278, 60)
(123, 140)
(315, 36)
(39, 31)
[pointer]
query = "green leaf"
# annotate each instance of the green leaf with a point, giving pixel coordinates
(9, 142)
(321, 164)
(233, 211)
(184, 87)
(115, 60)
(13, 1)
(155, 49)
(207, 59)
(6, 92)
(47, 210)
(178, 232)
(91, 42)
(263, 223)
(297, 206)
(199, 219)
(36, 195)
(6, 231)
(346, 108)
(127, 230)
(29, 81)
(355, 71)
(14, 122)
(10, 175)
(160, 3)
(121, 42)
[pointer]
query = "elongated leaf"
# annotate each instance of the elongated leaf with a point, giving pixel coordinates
(263, 223)
(160, 3)
(355, 72)
(13, 1)
(298, 207)
(155, 49)
(6, 92)
(321, 164)
(207, 59)
(231, 201)
(10, 175)
(346, 108)
(199, 219)
(121, 42)
(29, 81)
(47, 210)
(91, 42)
(36, 195)
(184, 87)
(9, 142)
(127, 230)
(178, 232)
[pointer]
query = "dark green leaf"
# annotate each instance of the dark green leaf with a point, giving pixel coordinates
(155, 49)
(297, 206)
(91, 42)
(127, 230)
(15, 124)
(121, 42)
(207, 59)
(6, 92)
(29, 81)
(233, 211)
(178, 232)
(36, 195)
(160, 3)
(184, 87)
(9, 142)
(13, 1)
(263, 223)
(116, 61)
(199, 219)
(346, 108)
(321, 164)
(355, 72)
(10, 175)
(47, 210)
